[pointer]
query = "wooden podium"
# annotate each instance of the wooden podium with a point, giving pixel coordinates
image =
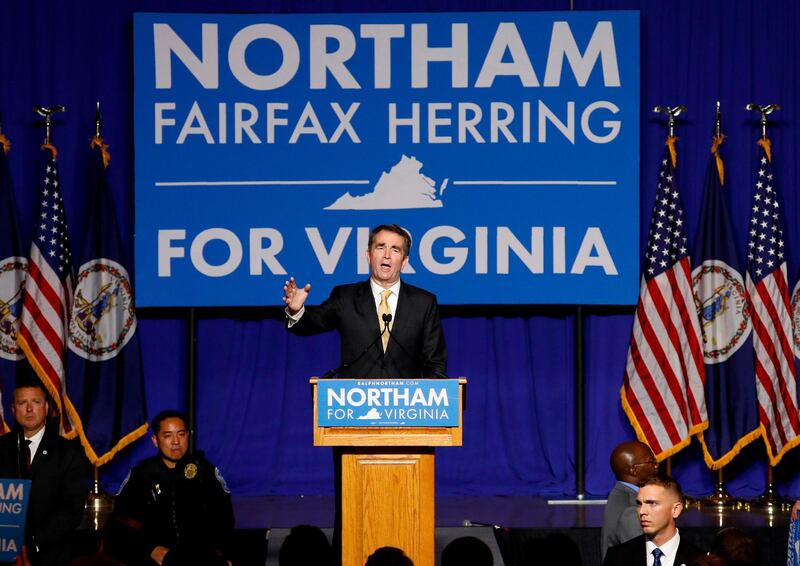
(388, 485)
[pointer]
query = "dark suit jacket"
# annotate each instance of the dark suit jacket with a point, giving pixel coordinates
(620, 519)
(57, 496)
(416, 347)
(634, 553)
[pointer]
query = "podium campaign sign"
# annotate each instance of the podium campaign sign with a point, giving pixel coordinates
(387, 402)
(13, 508)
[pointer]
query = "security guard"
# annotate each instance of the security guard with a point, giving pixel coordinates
(174, 508)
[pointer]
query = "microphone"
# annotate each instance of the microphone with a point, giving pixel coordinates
(19, 454)
(387, 318)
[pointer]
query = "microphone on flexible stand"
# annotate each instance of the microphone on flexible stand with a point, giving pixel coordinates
(344, 366)
(19, 454)
(387, 318)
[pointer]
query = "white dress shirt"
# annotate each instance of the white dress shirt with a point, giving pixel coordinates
(392, 300)
(669, 548)
(36, 440)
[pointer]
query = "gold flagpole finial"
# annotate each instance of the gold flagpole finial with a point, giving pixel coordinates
(672, 113)
(47, 113)
(764, 111)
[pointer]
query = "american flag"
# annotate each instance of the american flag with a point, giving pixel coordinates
(664, 378)
(48, 291)
(776, 378)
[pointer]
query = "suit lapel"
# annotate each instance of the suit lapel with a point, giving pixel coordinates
(681, 557)
(366, 309)
(400, 320)
(43, 454)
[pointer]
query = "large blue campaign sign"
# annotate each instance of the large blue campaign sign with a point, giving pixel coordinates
(506, 143)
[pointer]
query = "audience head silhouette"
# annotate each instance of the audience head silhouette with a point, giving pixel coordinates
(389, 556)
(736, 547)
(467, 551)
(305, 545)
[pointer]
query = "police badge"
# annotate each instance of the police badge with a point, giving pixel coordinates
(190, 471)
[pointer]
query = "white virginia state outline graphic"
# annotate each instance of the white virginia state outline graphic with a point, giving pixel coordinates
(402, 187)
(370, 415)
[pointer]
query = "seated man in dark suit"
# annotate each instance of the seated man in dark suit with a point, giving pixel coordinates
(57, 468)
(632, 463)
(660, 502)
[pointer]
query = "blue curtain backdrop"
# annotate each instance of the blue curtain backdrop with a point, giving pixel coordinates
(253, 398)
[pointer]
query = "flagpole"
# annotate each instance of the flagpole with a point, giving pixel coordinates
(191, 385)
(720, 499)
(671, 113)
(769, 500)
(99, 502)
(580, 398)
(47, 113)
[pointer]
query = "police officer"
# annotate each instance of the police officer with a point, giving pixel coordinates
(175, 506)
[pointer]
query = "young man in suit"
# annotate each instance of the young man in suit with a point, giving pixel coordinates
(659, 503)
(632, 463)
(57, 468)
(406, 318)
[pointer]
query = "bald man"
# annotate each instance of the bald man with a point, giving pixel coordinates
(632, 463)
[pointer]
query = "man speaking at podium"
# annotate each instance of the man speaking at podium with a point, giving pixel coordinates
(388, 329)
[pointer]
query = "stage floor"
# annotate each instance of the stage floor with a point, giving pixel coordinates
(510, 512)
(509, 525)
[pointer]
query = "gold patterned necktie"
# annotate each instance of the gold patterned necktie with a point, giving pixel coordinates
(383, 309)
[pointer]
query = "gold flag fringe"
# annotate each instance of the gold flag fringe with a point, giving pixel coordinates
(5, 143)
(673, 151)
(718, 141)
(52, 149)
(767, 145)
(98, 142)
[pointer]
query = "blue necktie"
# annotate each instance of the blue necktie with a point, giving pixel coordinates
(657, 554)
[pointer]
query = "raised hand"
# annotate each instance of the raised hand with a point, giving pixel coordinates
(294, 297)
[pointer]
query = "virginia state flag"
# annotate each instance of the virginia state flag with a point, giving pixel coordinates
(725, 318)
(104, 360)
(13, 267)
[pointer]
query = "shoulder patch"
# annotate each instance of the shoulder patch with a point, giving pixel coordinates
(221, 480)
(124, 482)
